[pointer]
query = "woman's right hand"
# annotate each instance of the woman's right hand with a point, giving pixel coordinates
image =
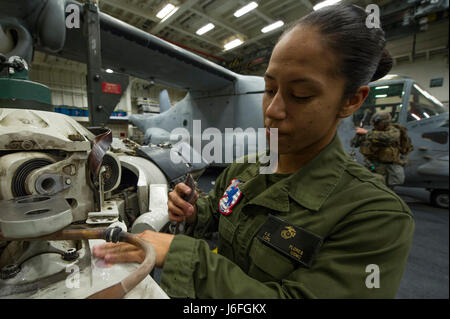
(179, 209)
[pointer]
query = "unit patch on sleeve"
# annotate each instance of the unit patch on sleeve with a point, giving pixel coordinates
(293, 241)
(230, 197)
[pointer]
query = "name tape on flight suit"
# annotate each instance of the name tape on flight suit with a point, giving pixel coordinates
(293, 241)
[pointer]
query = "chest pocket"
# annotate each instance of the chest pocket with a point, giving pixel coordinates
(267, 264)
(226, 235)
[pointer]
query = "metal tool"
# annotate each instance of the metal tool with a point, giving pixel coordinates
(180, 227)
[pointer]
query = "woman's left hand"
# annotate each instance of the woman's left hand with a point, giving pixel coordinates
(123, 252)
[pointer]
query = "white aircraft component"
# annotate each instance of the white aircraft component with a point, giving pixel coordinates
(46, 185)
(75, 280)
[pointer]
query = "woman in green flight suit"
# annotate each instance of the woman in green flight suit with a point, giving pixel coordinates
(321, 226)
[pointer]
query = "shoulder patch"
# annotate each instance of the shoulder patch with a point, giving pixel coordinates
(230, 197)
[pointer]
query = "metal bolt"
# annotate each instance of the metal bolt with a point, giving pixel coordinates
(99, 107)
(68, 181)
(70, 254)
(70, 169)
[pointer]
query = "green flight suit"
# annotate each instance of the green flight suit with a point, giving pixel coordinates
(361, 221)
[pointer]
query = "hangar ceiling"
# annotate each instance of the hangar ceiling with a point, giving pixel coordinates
(252, 55)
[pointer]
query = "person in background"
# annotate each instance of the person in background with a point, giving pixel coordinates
(385, 148)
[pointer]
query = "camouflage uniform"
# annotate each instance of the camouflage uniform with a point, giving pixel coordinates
(381, 150)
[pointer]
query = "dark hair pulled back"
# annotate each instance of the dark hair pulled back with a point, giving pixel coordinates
(360, 49)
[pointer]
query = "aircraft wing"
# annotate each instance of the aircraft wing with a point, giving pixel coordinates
(129, 50)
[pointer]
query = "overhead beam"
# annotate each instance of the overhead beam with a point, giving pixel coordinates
(259, 12)
(260, 36)
(284, 4)
(189, 5)
(218, 22)
(149, 14)
(255, 39)
(142, 12)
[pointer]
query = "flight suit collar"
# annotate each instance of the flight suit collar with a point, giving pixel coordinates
(310, 186)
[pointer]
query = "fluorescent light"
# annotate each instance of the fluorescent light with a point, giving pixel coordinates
(428, 95)
(325, 4)
(426, 114)
(109, 71)
(205, 29)
(381, 95)
(272, 26)
(415, 116)
(245, 9)
(233, 44)
(390, 76)
(165, 11)
(382, 87)
(170, 14)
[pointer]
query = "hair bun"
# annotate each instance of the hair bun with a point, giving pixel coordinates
(384, 66)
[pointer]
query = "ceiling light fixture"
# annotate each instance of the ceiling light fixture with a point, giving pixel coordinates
(245, 9)
(164, 12)
(205, 28)
(325, 4)
(272, 26)
(233, 44)
(170, 14)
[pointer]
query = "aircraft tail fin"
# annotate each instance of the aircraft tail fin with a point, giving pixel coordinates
(164, 101)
